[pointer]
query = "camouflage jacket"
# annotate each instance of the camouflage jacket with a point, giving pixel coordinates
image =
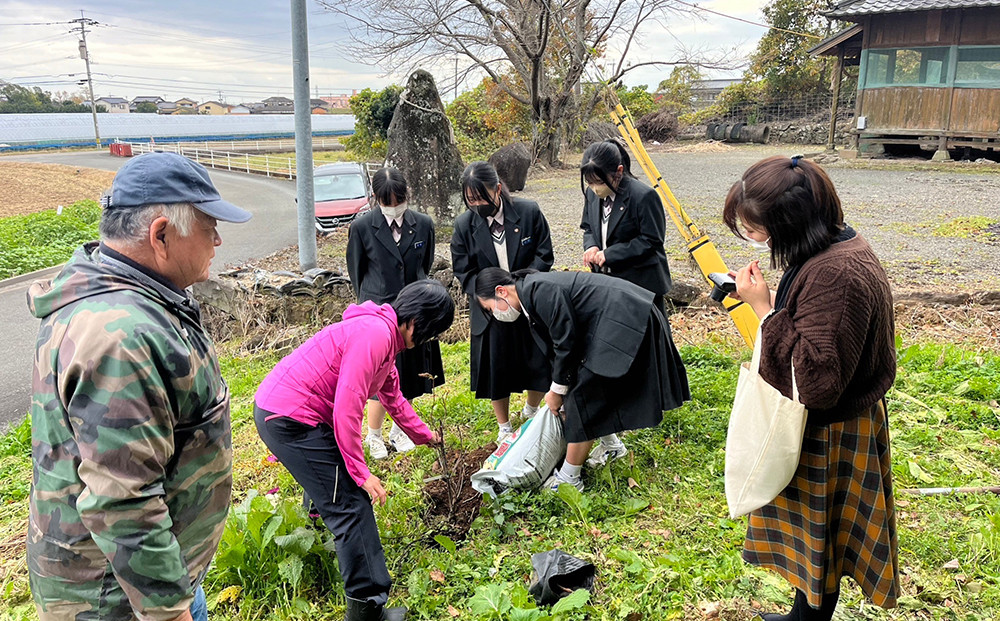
(131, 444)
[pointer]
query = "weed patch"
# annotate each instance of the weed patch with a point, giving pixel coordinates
(655, 525)
(39, 240)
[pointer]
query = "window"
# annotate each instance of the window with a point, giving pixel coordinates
(978, 66)
(926, 66)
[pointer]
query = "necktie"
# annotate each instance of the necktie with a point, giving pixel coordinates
(607, 208)
(396, 234)
(497, 230)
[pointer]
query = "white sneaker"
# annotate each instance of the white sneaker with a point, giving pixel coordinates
(526, 413)
(376, 447)
(503, 435)
(400, 440)
(604, 454)
(557, 479)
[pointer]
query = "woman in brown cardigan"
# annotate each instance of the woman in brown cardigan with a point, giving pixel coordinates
(831, 317)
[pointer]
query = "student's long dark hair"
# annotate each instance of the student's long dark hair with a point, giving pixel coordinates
(490, 278)
(600, 164)
(389, 186)
(793, 200)
(429, 305)
(478, 180)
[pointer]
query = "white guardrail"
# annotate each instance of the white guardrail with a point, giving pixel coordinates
(246, 161)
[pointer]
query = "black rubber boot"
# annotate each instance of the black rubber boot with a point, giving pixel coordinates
(802, 611)
(358, 610)
(394, 614)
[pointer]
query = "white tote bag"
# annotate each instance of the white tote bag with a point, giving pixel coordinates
(764, 440)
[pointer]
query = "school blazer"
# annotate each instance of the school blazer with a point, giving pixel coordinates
(529, 245)
(378, 268)
(636, 229)
(586, 319)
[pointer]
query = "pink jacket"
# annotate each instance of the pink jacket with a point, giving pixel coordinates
(330, 376)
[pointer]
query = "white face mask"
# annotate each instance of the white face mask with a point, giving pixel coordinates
(760, 246)
(602, 191)
(507, 316)
(393, 212)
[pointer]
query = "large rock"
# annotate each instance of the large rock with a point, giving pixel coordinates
(512, 163)
(422, 145)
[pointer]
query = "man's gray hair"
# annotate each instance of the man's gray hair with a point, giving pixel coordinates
(130, 225)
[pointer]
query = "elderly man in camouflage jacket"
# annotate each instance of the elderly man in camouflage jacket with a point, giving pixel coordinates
(130, 415)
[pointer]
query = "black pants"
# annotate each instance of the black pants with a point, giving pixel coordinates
(312, 456)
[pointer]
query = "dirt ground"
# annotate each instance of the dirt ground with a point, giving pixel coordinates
(27, 188)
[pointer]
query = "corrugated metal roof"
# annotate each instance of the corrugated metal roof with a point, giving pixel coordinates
(857, 8)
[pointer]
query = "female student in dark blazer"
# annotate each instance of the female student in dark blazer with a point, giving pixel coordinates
(500, 231)
(623, 221)
(614, 364)
(387, 249)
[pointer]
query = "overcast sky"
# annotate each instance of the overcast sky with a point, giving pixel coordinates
(197, 49)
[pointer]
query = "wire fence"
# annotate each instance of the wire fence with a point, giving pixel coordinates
(809, 109)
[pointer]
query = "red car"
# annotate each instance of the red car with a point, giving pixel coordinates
(341, 191)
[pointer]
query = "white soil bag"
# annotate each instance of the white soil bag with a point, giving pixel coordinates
(525, 459)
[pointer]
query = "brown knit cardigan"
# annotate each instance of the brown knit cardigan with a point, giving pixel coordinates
(837, 327)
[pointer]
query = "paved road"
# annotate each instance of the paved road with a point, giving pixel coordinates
(272, 228)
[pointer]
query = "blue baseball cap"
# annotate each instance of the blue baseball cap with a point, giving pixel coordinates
(153, 178)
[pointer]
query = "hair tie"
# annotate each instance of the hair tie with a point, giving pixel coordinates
(795, 160)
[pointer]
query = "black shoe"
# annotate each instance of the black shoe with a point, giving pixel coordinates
(360, 610)
(394, 614)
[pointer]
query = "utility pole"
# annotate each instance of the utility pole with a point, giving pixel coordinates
(221, 100)
(85, 55)
(303, 137)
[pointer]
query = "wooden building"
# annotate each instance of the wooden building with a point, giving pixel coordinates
(929, 72)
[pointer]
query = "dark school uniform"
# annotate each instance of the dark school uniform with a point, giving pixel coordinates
(636, 227)
(610, 346)
(503, 358)
(379, 268)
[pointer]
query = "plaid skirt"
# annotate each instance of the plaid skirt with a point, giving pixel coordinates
(836, 517)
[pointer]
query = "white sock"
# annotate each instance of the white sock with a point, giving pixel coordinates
(375, 433)
(611, 440)
(506, 428)
(529, 410)
(569, 471)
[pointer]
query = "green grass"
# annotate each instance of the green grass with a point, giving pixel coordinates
(656, 526)
(35, 241)
(966, 227)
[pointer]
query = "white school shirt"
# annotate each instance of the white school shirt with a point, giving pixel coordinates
(501, 245)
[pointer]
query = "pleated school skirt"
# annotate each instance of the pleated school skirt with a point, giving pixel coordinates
(415, 364)
(836, 517)
(505, 359)
(655, 382)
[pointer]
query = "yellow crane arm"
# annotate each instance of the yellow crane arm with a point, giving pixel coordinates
(700, 247)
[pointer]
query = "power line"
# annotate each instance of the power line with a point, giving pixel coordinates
(746, 21)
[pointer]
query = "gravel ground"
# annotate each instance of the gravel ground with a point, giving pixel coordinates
(896, 205)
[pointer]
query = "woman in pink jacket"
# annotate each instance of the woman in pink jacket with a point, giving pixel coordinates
(310, 407)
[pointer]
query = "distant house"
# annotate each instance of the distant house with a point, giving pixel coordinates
(240, 109)
(339, 102)
(213, 108)
(929, 72)
(275, 105)
(704, 92)
(153, 99)
(166, 107)
(187, 103)
(114, 104)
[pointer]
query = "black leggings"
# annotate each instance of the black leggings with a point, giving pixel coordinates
(311, 455)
